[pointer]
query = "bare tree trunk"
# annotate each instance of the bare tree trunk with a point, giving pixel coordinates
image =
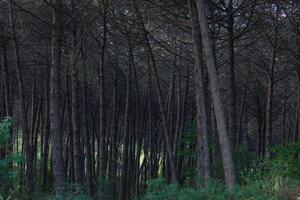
(88, 150)
(169, 148)
(229, 62)
(216, 97)
(114, 137)
(103, 6)
(269, 109)
(269, 134)
(297, 132)
(55, 97)
(69, 150)
(46, 131)
(24, 119)
(75, 108)
(6, 82)
(202, 122)
(124, 176)
(283, 129)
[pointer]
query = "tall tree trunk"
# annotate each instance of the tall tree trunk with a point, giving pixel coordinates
(46, 131)
(88, 150)
(169, 149)
(75, 107)
(202, 122)
(114, 137)
(242, 110)
(103, 6)
(55, 100)
(124, 171)
(216, 97)
(269, 108)
(23, 110)
(229, 63)
(7, 96)
(297, 131)
(269, 133)
(283, 129)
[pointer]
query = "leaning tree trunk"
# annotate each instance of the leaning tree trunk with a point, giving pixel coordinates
(202, 122)
(216, 97)
(169, 148)
(55, 112)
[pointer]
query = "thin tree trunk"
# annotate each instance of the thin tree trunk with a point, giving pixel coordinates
(169, 148)
(24, 120)
(269, 109)
(55, 97)
(239, 132)
(283, 130)
(124, 177)
(103, 6)
(46, 130)
(75, 108)
(229, 62)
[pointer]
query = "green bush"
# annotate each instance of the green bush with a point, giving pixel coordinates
(268, 179)
(67, 196)
(8, 171)
(159, 190)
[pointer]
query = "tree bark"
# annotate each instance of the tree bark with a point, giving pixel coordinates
(124, 170)
(103, 6)
(23, 110)
(75, 107)
(229, 64)
(55, 97)
(169, 148)
(216, 97)
(202, 122)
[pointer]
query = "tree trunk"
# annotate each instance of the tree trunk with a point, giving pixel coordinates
(269, 134)
(216, 97)
(23, 110)
(88, 151)
(169, 148)
(75, 107)
(55, 99)
(102, 145)
(202, 122)
(283, 129)
(124, 170)
(229, 64)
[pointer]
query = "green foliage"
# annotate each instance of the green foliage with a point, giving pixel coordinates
(8, 171)
(67, 196)
(286, 162)
(268, 179)
(106, 188)
(159, 190)
(5, 126)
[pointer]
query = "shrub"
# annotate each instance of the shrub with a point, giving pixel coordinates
(8, 173)
(263, 179)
